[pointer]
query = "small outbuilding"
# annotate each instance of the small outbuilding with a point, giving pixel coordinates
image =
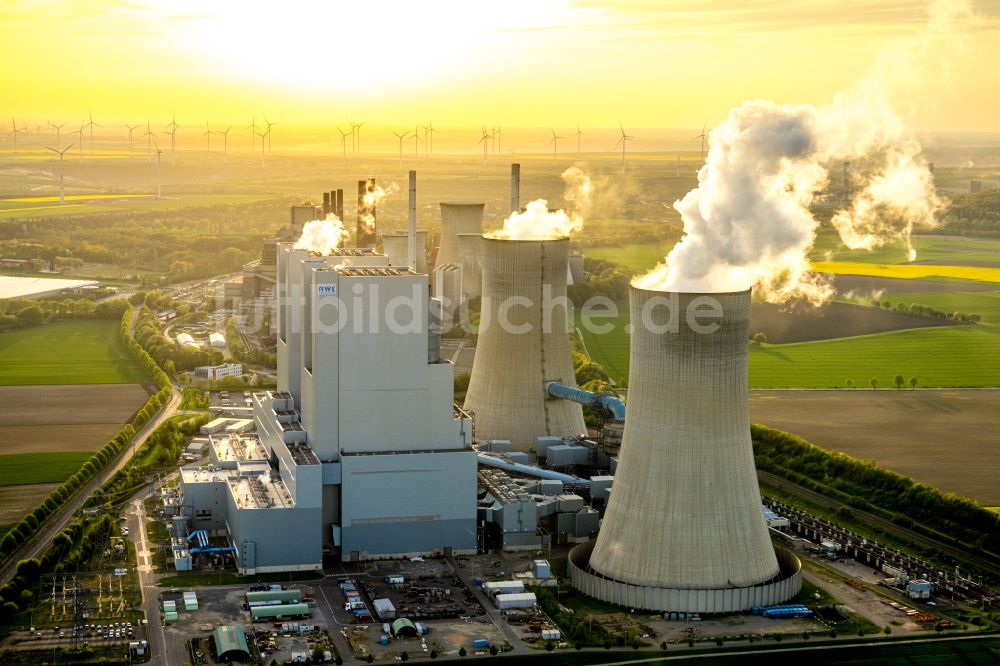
(404, 628)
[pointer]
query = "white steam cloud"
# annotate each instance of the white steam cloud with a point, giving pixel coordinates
(537, 222)
(371, 200)
(748, 223)
(322, 236)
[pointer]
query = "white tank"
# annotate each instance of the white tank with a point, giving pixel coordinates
(513, 363)
(457, 217)
(684, 521)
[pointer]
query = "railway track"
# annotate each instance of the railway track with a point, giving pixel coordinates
(983, 563)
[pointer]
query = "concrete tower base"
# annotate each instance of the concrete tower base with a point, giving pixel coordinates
(727, 600)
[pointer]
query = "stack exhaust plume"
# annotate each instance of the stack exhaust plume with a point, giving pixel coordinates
(522, 348)
(683, 530)
(515, 188)
(457, 217)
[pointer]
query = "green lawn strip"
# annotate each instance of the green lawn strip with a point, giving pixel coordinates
(83, 351)
(18, 469)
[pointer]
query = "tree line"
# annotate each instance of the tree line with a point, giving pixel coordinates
(18, 313)
(28, 526)
(864, 485)
(927, 311)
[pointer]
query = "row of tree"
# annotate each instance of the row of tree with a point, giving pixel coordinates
(26, 312)
(862, 484)
(168, 354)
(927, 311)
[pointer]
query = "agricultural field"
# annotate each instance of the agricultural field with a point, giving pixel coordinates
(65, 389)
(929, 435)
(942, 356)
(915, 270)
(984, 303)
(66, 352)
(64, 418)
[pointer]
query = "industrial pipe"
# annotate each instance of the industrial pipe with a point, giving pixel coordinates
(609, 402)
(530, 470)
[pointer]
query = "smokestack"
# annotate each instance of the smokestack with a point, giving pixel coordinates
(326, 204)
(515, 188)
(457, 217)
(411, 236)
(683, 529)
(339, 208)
(522, 348)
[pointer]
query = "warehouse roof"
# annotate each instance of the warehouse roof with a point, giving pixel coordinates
(230, 641)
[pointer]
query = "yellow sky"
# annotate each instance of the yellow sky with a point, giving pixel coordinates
(648, 63)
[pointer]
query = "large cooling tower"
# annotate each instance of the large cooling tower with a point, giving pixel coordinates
(683, 530)
(521, 347)
(457, 217)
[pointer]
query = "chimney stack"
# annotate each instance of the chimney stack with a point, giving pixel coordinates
(326, 204)
(515, 188)
(411, 240)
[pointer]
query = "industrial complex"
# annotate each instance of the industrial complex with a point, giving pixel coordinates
(361, 453)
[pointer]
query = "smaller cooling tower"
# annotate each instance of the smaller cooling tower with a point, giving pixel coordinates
(684, 530)
(457, 217)
(523, 344)
(469, 248)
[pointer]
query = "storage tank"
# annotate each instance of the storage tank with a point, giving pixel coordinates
(525, 281)
(684, 530)
(457, 217)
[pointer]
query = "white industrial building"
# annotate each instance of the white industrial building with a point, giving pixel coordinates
(361, 451)
(218, 371)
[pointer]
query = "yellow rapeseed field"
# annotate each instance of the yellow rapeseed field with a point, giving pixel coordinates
(909, 271)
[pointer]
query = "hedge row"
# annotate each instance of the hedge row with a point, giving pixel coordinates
(862, 484)
(31, 523)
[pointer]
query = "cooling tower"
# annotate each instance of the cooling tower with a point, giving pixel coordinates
(457, 217)
(523, 344)
(684, 530)
(469, 247)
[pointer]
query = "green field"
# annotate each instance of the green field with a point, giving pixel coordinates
(984, 303)
(944, 249)
(28, 468)
(937, 357)
(84, 351)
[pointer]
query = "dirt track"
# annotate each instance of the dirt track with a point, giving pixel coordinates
(64, 418)
(946, 438)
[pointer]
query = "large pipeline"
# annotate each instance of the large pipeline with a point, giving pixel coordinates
(609, 402)
(530, 470)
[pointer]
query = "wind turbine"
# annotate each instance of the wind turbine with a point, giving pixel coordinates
(159, 181)
(357, 128)
(253, 129)
(499, 133)
(400, 137)
(173, 132)
(58, 129)
(354, 128)
(578, 135)
(149, 139)
(343, 144)
(486, 144)
(555, 144)
(263, 144)
(79, 136)
(131, 128)
(267, 132)
(416, 142)
(91, 125)
(15, 131)
(430, 137)
(208, 137)
(703, 138)
(623, 140)
(61, 153)
(225, 141)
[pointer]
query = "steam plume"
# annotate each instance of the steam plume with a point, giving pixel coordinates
(537, 222)
(322, 236)
(748, 223)
(371, 201)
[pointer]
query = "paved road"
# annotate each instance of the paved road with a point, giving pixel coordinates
(517, 645)
(37, 545)
(147, 584)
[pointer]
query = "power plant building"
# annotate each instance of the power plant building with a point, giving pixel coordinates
(361, 451)
(457, 217)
